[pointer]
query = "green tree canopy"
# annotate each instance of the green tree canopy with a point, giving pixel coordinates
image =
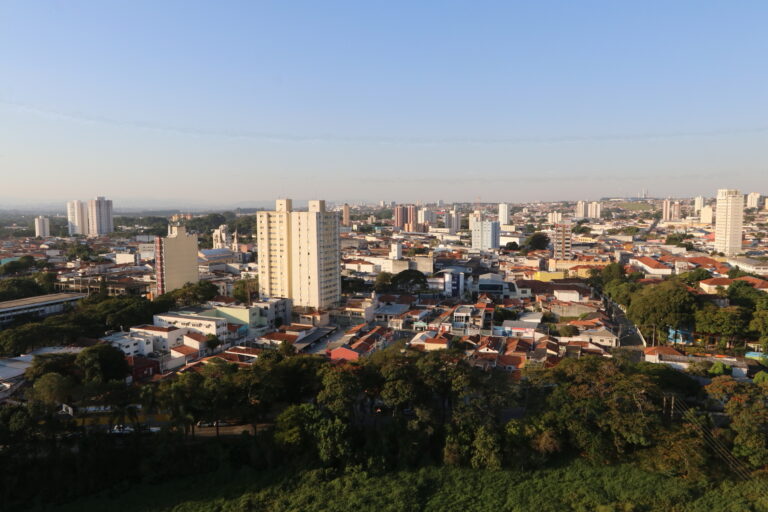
(667, 304)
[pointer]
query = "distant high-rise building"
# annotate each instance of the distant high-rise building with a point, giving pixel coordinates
(299, 254)
(554, 217)
(503, 214)
(399, 216)
(670, 211)
(698, 204)
(753, 200)
(581, 210)
(425, 216)
(175, 259)
(410, 214)
(729, 219)
(485, 234)
(453, 221)
(100, 217)
(396, 251)
(345, 216)
(223, 239)
(561, 241)
(42, 227)
(77, 218)
(706, 214)
(595, 210)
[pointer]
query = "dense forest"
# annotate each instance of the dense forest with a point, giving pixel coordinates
(403, 430)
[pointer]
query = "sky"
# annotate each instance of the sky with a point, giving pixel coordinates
(192, 103)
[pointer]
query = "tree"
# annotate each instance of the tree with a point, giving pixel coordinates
(537, 242)
(52, 389)
(512, 246)
(486, 450)
(667, 304)
(102, 363)
(567, 331)
(761, 378)
(19, 288)
(759, 323)
(340, 390)
(730, 321)
(695, 275)
(409, 280)
(383, 282)
(245, 289)
(612, 272)
(718, 368)
(500, 314)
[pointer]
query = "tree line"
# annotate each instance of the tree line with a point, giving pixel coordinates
(398, 409)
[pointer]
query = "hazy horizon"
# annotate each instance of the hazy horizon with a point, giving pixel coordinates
(183, 104)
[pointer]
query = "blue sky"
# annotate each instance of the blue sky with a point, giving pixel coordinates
(202, 103)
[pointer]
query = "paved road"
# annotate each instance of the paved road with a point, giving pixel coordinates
(628, 336)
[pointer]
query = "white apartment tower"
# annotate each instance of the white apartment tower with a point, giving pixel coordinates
(670, 211)
(175, 259)
(299, 254)
(729, 218)
(503, 214)
(485, 234)
(706, 215)
(595, 210)
(77, 218)
(581, 210)
(698, 204)
(554, 217)
(100, 217)
(42, 227)
(453, 221)
(753, 200)
(274, 248)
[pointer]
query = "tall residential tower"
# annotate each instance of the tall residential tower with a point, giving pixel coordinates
(729, 219)
(299, 254)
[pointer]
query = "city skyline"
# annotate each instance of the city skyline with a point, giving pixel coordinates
(341, 99)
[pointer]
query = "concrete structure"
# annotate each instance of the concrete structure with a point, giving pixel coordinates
(698, 204)
(706, 215)
(345, 216)
(77, 218)
(42, 227)
(670, 211)
(581, 210)
(595, 210)
(399, 217)
(561, 241)
(485, 235)
(223, 239)
(554, 217)
(503, 214)
(40, 306)
(453, 221)
(100, 217)
(754, 200)
(425, 216)
(175, 260)
(274, 250)
(728, 221)
(299, 254)
(131, 343)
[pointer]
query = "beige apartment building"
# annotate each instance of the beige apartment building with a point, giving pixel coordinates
(175, 259)
(299, 254)
(729, 220)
